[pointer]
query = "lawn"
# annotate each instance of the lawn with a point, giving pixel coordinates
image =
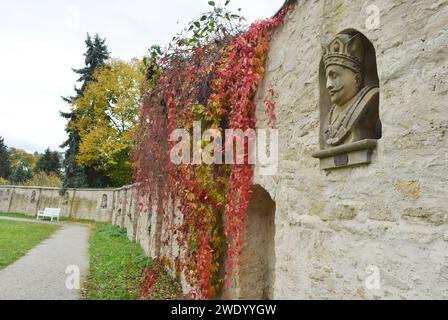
(116, 265)
(17, 215)
(119, 266)
(17, 238)
(24, 216)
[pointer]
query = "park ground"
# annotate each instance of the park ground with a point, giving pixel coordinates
(34, 257)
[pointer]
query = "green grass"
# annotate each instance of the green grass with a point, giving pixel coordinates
(118, 268)
(24, 216)
(17, 215)
(17, 238)
(116, 265)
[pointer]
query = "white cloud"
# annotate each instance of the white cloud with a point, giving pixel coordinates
(42, 40)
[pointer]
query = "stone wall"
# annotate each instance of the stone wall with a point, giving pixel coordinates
(89, 204)
(130, 211)
(366, 232)
(336, 230)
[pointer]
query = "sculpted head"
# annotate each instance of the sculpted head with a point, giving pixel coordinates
(342, 84)
(343, 68)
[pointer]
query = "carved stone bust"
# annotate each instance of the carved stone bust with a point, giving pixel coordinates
(349, 102)
(353, 114)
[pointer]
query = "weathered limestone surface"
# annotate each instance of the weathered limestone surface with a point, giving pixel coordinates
(317, 234)
(89, 204)
(254, 277)
(334, 229)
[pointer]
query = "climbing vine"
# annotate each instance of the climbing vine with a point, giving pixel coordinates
(208, 74)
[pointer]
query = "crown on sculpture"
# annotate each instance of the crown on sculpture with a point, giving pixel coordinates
(345, 50)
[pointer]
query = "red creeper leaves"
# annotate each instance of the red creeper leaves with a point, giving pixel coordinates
(204, 195)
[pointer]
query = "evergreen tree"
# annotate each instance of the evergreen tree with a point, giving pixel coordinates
(5, 160)
(95, 56)
(49, 162)
(21, 173)
(76, 176)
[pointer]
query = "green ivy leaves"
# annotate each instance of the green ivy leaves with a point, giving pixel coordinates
(212, 25)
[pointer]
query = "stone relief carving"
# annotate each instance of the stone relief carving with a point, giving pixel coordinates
(104, 201)
(33, 196)
(120, 202)
(350, 121)
(65, 199)
(353, 115)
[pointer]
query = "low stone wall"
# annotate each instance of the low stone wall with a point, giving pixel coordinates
(122, 207)
(89, 204)
(143, 225)
(149, 229)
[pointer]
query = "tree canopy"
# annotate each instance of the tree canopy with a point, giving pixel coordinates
(49, 162)
(107, 113)
(76, 176)
(5, 160)
(21, 173)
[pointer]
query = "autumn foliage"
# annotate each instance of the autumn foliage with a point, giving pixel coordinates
(106, 115)
(212, 80)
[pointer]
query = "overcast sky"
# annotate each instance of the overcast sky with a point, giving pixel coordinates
(40, 41)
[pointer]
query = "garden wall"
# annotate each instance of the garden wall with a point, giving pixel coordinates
(372, 231)
(89, 204)
(338, 231)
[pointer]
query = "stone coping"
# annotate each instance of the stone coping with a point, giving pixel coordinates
(286, 2)
(68, 189)
(367, 144)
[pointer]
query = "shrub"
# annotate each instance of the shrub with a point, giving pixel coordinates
(42, 179)
(3, 182)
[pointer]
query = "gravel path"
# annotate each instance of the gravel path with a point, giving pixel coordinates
(41, 274)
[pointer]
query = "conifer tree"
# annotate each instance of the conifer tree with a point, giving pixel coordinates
(5, 160)
(76, 176)
(49, 162)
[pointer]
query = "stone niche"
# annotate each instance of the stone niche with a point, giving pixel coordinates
(254, 277)
(349, 101)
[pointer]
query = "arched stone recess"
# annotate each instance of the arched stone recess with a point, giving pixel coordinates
(255, 275)
(103, 201)
(368, 77)
(350, 124)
